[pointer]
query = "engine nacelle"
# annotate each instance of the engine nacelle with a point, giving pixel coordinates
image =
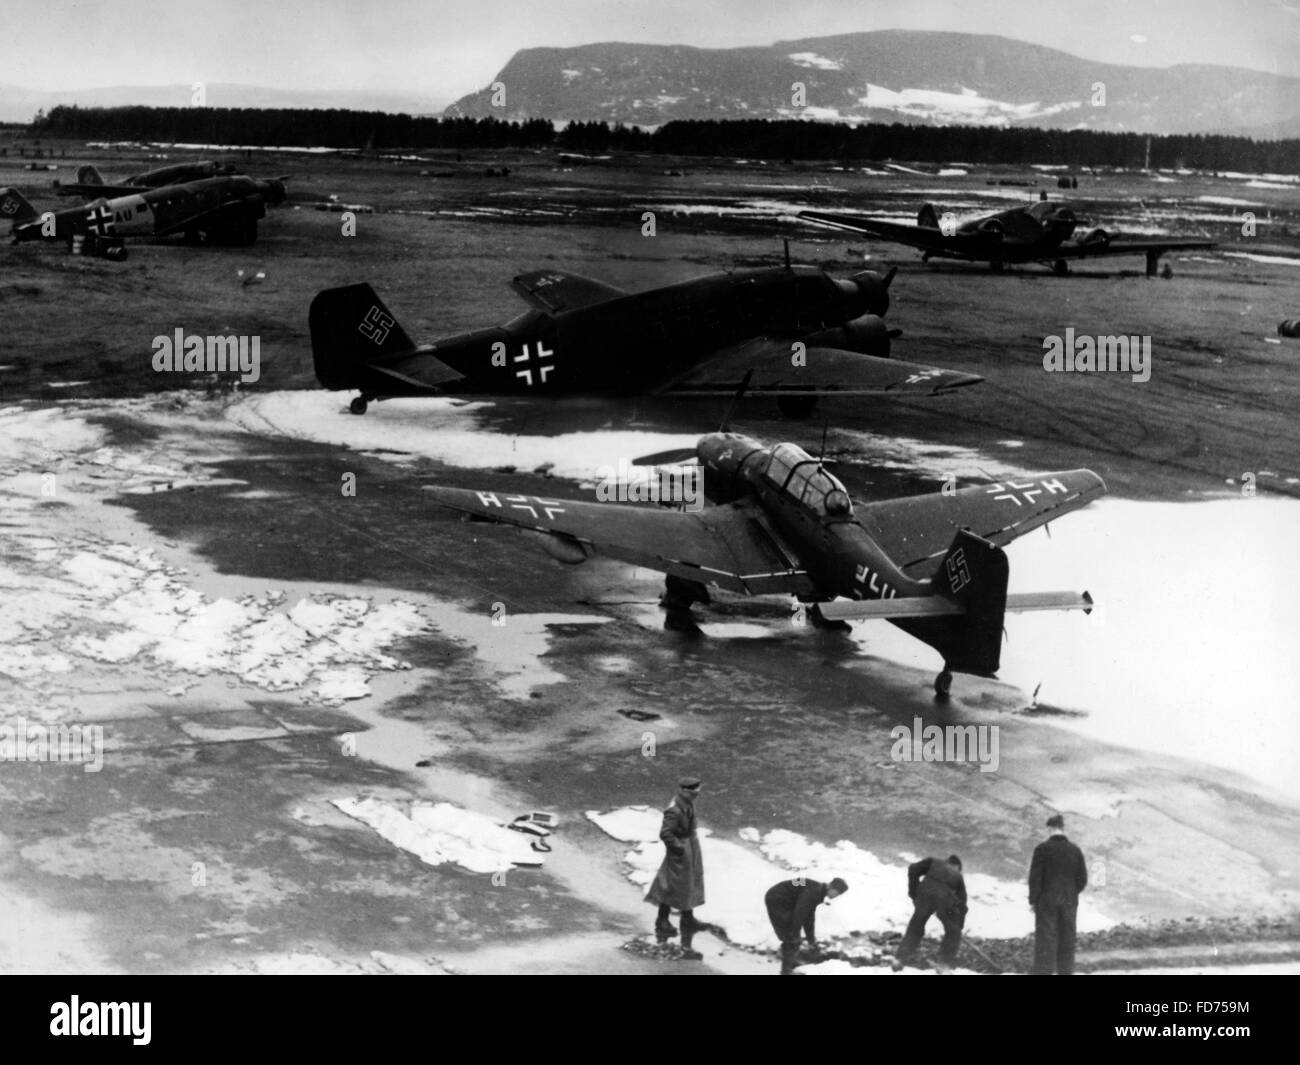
(1095, 238)
(868, 335)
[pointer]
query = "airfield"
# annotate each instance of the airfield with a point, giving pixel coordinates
(260, 648)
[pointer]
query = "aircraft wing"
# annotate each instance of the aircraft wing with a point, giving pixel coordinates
(1125, 247)
(94, 192)
(917, 236)
(917, 530)
(731, 546)
(199, 218)
(554, 291)
(824, 371)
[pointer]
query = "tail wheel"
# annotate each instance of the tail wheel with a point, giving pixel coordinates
(359, 405)
(943, 683)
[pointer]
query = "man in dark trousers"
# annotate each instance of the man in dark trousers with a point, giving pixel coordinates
(937, 888)
(679, 884)
(792, 908)
(1056, 876)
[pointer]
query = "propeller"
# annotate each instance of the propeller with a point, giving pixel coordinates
(675, 457)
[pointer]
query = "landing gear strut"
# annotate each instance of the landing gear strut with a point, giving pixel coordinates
(943, 684)
(359, 405)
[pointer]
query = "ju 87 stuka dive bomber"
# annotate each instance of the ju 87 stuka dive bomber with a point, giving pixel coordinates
(931, 564)
(796, 330)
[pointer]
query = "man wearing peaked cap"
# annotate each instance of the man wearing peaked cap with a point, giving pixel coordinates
(679, 884)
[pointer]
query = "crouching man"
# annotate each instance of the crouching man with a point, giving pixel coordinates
(937, 889)
(792, 908)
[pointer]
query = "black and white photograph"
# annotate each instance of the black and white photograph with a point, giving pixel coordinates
(651, 488)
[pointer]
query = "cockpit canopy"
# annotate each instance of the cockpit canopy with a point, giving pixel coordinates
(796, 473)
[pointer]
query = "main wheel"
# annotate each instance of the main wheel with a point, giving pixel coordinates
(1060, 268)
(358, 405)
(943, 683)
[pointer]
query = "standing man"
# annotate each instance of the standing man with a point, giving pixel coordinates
(1056, 876)
(792, 908)
(936, 887)
(679, 884)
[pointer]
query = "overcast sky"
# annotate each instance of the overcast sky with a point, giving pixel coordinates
(443, 50)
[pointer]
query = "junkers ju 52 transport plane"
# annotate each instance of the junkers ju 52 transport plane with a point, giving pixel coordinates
(800, 331)
(91, 184)
(1034, 234)
(931, 564)
(220, 210)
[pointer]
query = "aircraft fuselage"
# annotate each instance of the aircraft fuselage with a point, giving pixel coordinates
(609, 346)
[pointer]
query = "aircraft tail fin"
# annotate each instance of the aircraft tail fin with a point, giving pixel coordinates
(972, 574)
(928, 218)
(15, 208)
(89, 175)
(351, 327)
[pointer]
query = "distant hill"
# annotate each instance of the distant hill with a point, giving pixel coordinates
(886, 76)
(20, 105)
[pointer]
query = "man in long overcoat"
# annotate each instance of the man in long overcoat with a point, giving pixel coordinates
(679, 884)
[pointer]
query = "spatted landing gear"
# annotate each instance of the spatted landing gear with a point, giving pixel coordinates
(359, 405)
(943, 684)
(819, 621)
(678, 597)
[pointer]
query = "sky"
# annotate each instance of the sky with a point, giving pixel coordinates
(443, 50)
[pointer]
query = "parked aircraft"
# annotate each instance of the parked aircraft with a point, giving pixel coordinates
(1033, 234)
(800, 331)
(220, 210)
(931, 564)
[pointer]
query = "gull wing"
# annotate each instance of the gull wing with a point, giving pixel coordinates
(917, 530)
(731, 546)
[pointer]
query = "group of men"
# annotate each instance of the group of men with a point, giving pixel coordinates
(679, 885)
(1057, 873)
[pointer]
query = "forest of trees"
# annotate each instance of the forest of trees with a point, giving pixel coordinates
(757, 139)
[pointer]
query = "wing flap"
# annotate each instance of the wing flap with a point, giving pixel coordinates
(820, 371)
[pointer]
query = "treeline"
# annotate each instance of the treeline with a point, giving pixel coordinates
(758, 139)
(288, 127)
